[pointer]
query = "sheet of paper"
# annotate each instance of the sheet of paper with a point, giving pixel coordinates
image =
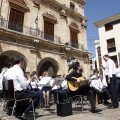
(45, 81)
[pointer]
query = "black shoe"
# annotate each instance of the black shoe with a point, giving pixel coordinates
(114, 106)
(106, 103)
(24, 116)
(96, 110)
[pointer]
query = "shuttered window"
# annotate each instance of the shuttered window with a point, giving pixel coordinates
(74, 38)
(111, 45)
(16, 20)
(49, 30)
(108, 26)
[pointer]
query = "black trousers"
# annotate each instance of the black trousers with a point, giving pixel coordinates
(113, 90)
(118, 87)
(61, 94)
(25, 105)
(85, 89)
(103, 95)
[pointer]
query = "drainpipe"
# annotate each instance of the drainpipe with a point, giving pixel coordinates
(1, 7)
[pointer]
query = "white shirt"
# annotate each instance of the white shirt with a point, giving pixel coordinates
(56, 87)
(34, 84)
(104, 83)
(110, 68)
(118, 72)
(1, 79)
(64, 85)
(97, 84)
(16, 74)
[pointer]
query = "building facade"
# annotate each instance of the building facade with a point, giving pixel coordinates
(109, 39)
(45, 32)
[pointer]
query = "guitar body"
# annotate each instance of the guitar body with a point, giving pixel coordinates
(73, 85)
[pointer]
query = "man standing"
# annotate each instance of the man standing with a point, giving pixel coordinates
(111, 69)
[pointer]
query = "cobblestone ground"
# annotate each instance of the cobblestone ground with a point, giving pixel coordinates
(50, 114)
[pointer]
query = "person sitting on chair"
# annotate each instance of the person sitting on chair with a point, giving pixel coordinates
(99, 88)
(84, 88)
(16, 74)
(33, 83)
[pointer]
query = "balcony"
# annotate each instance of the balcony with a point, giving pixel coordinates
(73, 9)
(29, 31)
(74, 45)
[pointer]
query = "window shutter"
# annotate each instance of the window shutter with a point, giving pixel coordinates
(16, 20)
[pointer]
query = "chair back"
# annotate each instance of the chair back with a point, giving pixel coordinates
(10, 91)
(4, 89)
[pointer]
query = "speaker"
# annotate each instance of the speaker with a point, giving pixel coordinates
(64, 109)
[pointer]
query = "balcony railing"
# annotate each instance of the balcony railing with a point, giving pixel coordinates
(78, 46)
(29, 31)
(73, 9)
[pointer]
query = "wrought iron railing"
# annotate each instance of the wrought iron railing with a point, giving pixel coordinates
(29, 31)
(78, 46)
(73, 9)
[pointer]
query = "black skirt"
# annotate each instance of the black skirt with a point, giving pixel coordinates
(46, 88)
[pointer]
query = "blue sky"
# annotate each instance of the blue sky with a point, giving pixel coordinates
(96, 10)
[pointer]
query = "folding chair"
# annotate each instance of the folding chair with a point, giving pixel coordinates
(10, 96)
(78, 99)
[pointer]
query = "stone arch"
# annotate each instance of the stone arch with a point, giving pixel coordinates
(8, 56)
(48, 64)
(74, 25)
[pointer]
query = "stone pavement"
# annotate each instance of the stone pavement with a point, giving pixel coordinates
(50, 114)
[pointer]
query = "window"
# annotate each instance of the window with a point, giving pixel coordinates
(99, 51)
(114, 58)
(49, 30)
(16, 20)
(108, 26)
(111, 45)
(74, 38)
(72, 6)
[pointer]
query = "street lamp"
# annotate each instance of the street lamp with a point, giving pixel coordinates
(68, 62)
(73, 60)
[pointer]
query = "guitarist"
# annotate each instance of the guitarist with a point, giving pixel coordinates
(83, 89)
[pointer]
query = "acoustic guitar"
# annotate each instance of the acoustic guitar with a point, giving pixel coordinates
(74, 85)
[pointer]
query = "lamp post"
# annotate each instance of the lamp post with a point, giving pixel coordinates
(73, 60)
(68, 62)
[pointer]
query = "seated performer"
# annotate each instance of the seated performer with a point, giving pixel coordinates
(46, 89)
(99, 87)
(33, 84)
(60, 90)
(16, 74)
(82, 87)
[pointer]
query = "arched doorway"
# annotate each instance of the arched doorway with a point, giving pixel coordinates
(48, 64)
(9, 56)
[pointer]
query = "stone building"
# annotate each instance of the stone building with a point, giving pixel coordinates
(45, 32)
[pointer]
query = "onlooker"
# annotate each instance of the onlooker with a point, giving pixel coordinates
(118, 82)
(111, 72)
